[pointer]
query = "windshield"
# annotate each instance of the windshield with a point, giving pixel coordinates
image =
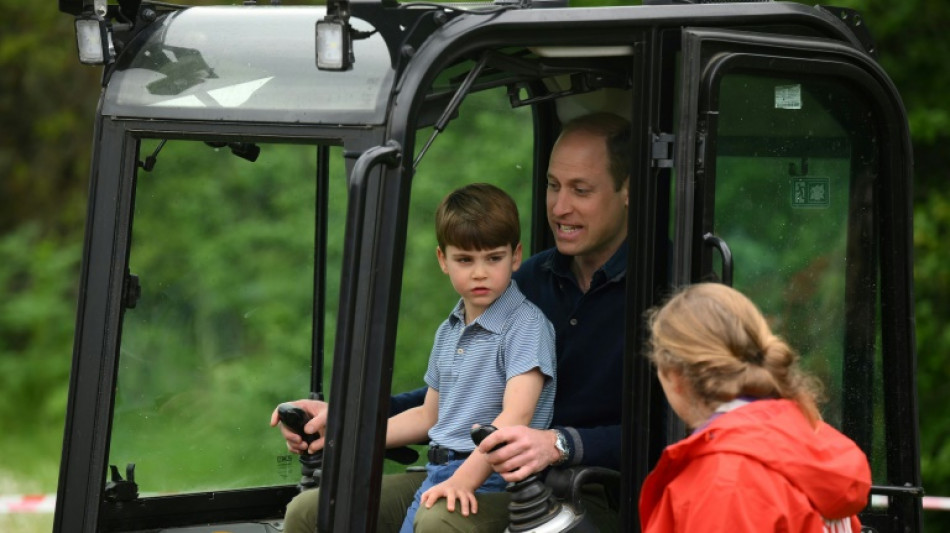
(243, 63)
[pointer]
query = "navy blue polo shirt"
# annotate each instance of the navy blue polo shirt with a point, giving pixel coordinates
(589, 333)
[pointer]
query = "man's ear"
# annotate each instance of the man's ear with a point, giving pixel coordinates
(626, 191)
(441, 257)
(516, 257)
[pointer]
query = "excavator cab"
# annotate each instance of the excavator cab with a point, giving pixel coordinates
(260, 199)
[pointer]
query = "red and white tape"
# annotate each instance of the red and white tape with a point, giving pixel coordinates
(46, 503)
(930, 503)
(28, 503)
(936, 503)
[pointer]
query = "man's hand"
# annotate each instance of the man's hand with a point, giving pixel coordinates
(318, 410)
(523, 451)
(452, 489)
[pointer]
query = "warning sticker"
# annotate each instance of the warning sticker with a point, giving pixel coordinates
(788, 96)
(814, 193)
(287, 466)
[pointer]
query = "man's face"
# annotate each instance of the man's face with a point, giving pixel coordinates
(585, 212)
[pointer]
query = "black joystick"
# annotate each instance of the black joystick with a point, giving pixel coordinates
(295, 418)
(532, 504)
(480, 432)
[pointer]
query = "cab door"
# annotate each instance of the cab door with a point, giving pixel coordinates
(795, 173)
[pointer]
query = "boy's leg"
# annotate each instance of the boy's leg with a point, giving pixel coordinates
(492, 516)
(395, 497)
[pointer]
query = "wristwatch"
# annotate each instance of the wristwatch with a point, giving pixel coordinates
(562, 446)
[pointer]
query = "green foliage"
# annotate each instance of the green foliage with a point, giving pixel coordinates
(35, 324)
(932, 278)
(47, 103)
(913, 46)
(38, 276)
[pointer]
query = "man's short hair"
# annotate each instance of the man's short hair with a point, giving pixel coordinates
(616, 131)
(478, 216)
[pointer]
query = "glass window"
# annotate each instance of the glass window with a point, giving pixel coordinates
(795, 176)
(224, 252)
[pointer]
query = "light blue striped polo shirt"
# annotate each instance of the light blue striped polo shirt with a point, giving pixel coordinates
(470, 365)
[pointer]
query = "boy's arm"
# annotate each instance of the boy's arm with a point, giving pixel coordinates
(412, 425)
(521, 398)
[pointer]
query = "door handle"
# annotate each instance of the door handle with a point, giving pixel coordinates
(727, 265)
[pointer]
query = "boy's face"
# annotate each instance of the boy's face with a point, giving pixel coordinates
(479, 276)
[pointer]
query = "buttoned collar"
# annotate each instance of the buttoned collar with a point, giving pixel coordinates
(613, 270)
(494, 317)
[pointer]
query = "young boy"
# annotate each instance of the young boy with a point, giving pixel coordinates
(492, 361)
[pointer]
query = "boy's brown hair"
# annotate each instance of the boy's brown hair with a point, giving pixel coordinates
(478, 216)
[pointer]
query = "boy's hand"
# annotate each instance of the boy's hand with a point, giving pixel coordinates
(452, 489)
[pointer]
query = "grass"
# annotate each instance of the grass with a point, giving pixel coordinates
(30, 466)
(27, 523)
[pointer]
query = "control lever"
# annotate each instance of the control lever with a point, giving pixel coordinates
(533, 508)
(311, 465)
(480, 432)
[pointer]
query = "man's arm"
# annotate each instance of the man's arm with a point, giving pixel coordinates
(316, 409)
(412, 425)
(406, 400)
(525, 451)
(598, 446)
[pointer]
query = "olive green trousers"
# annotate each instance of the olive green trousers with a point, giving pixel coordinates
(397, 493)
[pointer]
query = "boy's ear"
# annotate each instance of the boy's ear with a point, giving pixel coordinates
(441, 257)
(516, 258)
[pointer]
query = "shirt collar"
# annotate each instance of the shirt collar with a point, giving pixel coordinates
(614, 269)
(494, 318)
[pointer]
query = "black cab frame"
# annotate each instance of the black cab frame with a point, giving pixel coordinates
(770, 151)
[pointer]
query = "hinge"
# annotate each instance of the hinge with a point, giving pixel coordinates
(122, 490)
(700, 152)
(131, 291)
(662, 155)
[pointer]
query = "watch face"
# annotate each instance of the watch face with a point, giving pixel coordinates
(561, 445)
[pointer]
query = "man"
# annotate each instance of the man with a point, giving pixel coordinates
(580, 286)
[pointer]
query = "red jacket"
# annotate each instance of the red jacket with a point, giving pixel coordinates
(761, 467)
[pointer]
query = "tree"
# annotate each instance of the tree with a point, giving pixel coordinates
(47, 103)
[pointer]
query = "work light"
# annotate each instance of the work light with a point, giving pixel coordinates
(94, 40)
